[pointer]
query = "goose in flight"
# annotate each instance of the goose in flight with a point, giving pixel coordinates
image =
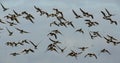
(62, 24)
(105, 51)
(108, 40)
(11, 23)
(28, 50)
(91, 23)
(20, 43)
(35, 45)
(109, 14)
(13, 17)
(74, 54)
(96, 33)
(25, 41)
(104, 15)
(53, 34)
(62, 49)
(77, 16)
(86, 14)
(29, 17)
(111, 37)
(115, 43)
(21, 30)
(83, 48)
(112, 21)
(9, 44)
(56, 31)
(38, 10)
(55, 42)
(52, 48)
(16, 13)
(2, 21)
(91, 55)
(58, 13)
(92, 36)
(10, 32)
(80, 30)
(4, 8)
(14, 54)
(54, 23)
(70, 23)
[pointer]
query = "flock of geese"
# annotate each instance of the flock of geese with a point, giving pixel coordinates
(12, 20)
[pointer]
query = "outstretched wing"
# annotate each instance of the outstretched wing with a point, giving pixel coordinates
(51, 40)
(18, 29)
(72, 24)
(95, 56)
(108, 12)
(92, 16)
(87, 19)
(32, 43)
(103, 13)
(82, 11)
(74, 13)
(25, 32)
(108, 52)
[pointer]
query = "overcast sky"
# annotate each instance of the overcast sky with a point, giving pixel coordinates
(70, 38)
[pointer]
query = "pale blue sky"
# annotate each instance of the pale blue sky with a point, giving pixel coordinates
(72, 40)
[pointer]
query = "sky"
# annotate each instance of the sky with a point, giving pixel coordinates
(70, 39)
